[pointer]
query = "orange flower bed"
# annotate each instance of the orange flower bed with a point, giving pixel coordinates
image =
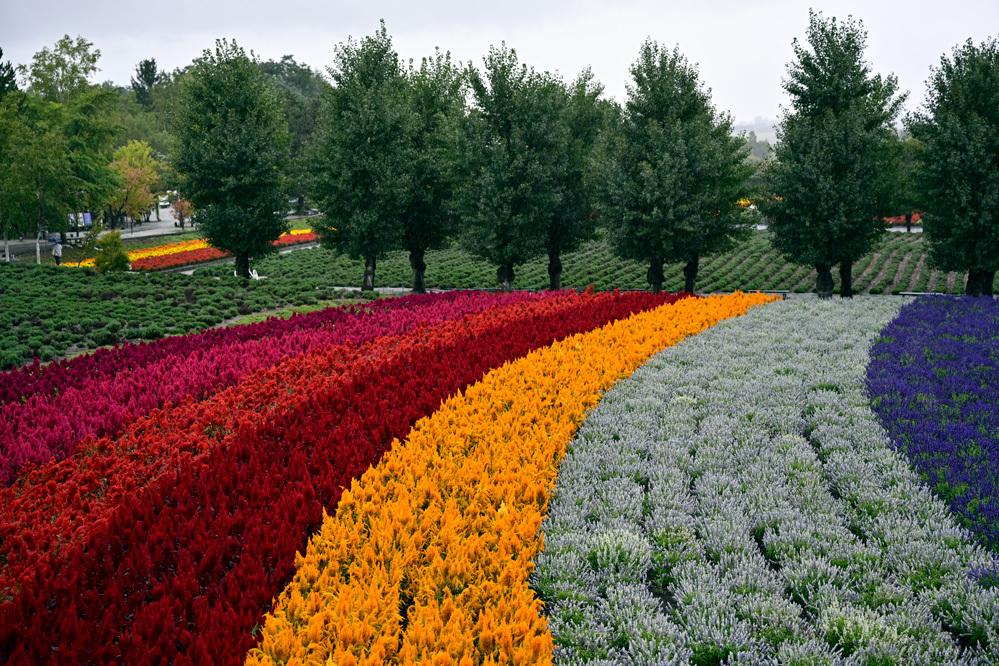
(429, 553)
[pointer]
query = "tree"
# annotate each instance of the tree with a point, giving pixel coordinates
(362, 156)
(37, 185)
(507, 188)
(959, 179)
(8, 80)
(300, 88)
(145, 79)
(181, 210)
(573, 220)
(62, 73)
(89, 129)
(674, 173)
(231, 146)
(137, 172)
(830, 182)
(437, 92)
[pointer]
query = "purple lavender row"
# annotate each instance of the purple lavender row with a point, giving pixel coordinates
(50, 425)
(934, 383)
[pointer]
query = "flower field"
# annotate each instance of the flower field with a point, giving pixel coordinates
(185, 253)
(465, 478)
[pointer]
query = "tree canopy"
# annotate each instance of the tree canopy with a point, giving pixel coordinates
(145, 79)
(834, 169)
(231, 146)
(959, 178)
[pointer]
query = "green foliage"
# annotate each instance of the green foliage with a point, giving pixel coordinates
(361, 174)
(674, 172)
(37, 184)
(436, 92)
(832, 176)
(299, 88)
(111, 256)
(63, 72)
(959, 182)
(8, 80)
(508, 186)
(70, 310)
(231, 146)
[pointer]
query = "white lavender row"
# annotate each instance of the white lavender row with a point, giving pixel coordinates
(736, 501)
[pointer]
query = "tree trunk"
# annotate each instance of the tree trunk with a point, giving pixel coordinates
(243, 265)
(301, 206)
(979, 282)
(655, 275)
(6, 246)
(908, 223)
(690, 273)
(504, 275)
(824, 281)
(554, 271)
(369, 274)
(846, 279)
(419, 270)
(38, 234)
(988, 279)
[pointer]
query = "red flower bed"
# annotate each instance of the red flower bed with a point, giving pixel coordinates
(97, 395)
(182, 567)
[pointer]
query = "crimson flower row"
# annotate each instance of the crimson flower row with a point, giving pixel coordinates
(70, 406)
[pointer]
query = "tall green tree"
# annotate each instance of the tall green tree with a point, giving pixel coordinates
(38, 184)
(145, 79)
(300, 88)
(674, 173)
(507, 190)
(832, 177)
(362, 156)
(62, 72)
(573, 220)
(437, 95)
(8, 79)
(959, 180)
(231, 145)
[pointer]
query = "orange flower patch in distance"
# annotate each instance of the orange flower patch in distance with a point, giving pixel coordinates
(428, 555)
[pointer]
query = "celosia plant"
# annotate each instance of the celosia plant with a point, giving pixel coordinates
(428, 554)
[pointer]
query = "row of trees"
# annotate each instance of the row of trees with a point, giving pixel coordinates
(516, 163)
(533, 165)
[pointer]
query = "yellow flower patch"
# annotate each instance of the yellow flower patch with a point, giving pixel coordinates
(428, 556)
(183, 246)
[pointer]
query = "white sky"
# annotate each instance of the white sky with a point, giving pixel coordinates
(742, 48)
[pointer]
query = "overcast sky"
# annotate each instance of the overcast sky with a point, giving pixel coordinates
(742, 48)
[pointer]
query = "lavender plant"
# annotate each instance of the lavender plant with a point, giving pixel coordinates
(934, 383)
(737, 501)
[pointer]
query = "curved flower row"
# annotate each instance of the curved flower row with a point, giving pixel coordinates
(934, 382)
(19, 384)
(45, 426)
(175, 559)
(428, 554)
(184, 253)
(736, 501)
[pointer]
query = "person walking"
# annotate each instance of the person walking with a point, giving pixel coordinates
(57, 251)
